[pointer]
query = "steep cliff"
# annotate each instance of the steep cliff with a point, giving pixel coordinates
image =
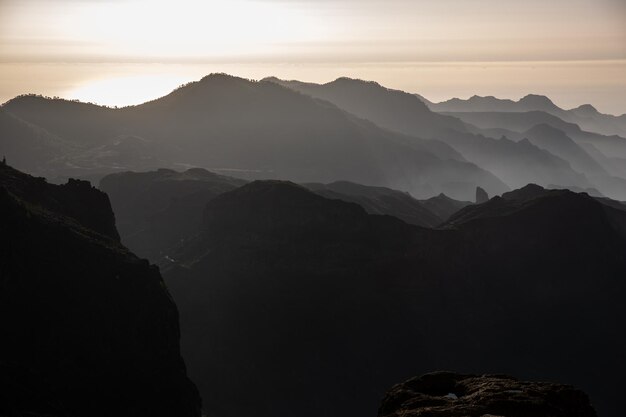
(84, 322)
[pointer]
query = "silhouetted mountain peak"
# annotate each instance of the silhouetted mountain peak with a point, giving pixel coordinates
(278, 211)
(354, 81)
(525, 193)
(536, 101)
(271, 192)
(220, 77)
(586, 110)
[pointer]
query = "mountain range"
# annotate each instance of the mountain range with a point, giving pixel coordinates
(586, 116)
(157, 211)
(255, 129)
(479, 136)
(392, 138)
(295, 298)
(307, 246)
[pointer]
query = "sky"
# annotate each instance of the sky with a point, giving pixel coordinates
(119, 52)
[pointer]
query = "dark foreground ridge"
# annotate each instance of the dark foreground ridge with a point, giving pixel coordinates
(88, 329)
(297, 299)
(447, 394)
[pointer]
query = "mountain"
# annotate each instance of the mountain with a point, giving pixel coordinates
(380, 200)
(392, 109)
(558, 143)
(88, 328)
(449, 394)
(517, 163)
(81, 124)
(444, 206)
(405, 113)
(523, 121)
(530, 102)
(585, 116)
(296, 299)
(157, 210)
(27, 146)
(261, 130)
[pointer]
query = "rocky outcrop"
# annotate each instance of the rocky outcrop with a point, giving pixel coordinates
(446, 394)
(76, 200)
(481, 195)
(87, 327)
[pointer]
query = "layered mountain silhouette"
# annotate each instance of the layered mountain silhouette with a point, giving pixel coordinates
(383, 201)
(392, 109)
(88, 328)
(444, 206)
(258, 130)
(296, 299)
(158, 211)
(522, 121)
(585, 116)
(517, 164)
(322, 242)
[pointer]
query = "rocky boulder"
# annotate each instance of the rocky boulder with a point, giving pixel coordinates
(447, 394)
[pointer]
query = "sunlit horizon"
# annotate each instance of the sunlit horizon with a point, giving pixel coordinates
(123, 52)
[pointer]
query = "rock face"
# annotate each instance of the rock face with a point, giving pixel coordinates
(77, 199)
(87, 327)
(297, 299)
(481, 196)
(446, 394)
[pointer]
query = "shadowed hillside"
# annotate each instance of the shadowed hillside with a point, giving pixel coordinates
(88, 328)
(298, 299)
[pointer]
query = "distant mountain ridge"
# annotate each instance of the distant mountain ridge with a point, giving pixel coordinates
(401, 112)
(391, 109)
(285, 134)
(586, 116)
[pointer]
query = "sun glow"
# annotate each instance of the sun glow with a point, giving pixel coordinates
(188, 29)
(124, 91)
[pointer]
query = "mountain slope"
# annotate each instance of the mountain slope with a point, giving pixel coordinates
(263, 130)
(517, 163)
(298, 299)
(585, 116)
(156, 210)
(444, 206)
(392, 109)
(558, 143)
(523, 121)
(28, 147)
(84, 321)
(380, 200)
(404, 113)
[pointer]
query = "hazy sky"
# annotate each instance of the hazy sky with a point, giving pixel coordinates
(126, 51)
